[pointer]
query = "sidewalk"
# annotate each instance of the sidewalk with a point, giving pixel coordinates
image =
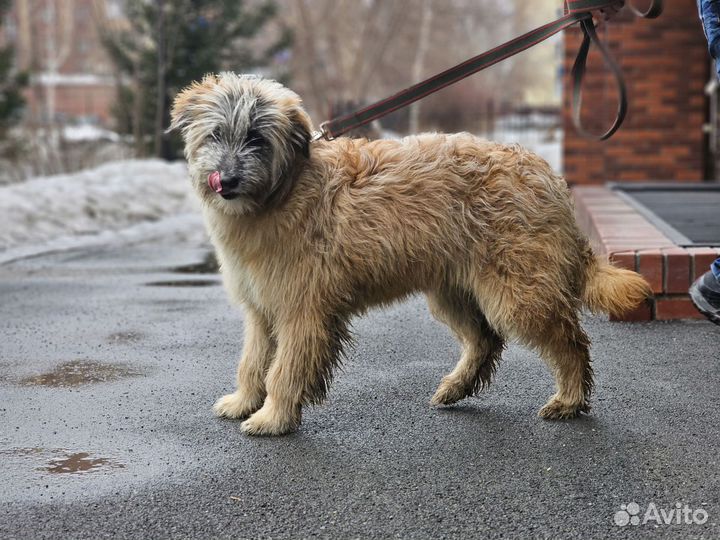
(111, 359)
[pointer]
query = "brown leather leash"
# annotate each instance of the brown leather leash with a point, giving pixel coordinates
(576, 11)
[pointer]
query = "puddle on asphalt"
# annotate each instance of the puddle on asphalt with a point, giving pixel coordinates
(61, 461)
(185, 283)
(209, 265)
(80, 462)
(78, 373)
(125, 337)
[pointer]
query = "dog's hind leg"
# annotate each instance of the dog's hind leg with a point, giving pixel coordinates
(564, 345)
(545, 317)
(309, 346)
(557, 335)
(482, 346)
(258, 351)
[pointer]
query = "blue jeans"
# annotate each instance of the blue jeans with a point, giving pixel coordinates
(709, 11)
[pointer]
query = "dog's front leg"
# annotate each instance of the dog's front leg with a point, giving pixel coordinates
(258, 352)
(308, 348)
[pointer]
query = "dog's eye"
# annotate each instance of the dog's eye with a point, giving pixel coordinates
(216, 133)
(254, 139)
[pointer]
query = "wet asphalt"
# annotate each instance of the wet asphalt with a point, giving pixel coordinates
(110, 360)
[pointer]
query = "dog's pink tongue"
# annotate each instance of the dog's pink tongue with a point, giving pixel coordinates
(214, 182)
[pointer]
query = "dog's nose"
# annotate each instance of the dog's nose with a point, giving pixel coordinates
(230, 182)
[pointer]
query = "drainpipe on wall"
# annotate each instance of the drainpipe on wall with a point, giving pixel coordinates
(710, 128)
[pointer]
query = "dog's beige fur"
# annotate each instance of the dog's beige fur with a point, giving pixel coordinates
(486, 231)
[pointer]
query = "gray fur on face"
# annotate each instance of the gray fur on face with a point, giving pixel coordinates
(253, 131)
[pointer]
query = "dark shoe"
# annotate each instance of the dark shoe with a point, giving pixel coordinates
(705, 294)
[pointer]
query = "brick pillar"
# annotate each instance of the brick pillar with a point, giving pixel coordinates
(665, 63)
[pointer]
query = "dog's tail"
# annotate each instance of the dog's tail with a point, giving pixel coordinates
(613, 290)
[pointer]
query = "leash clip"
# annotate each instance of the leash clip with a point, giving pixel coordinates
(322, 133)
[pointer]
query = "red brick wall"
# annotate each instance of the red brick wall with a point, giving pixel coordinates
(74, 30)
(91, 102)
(665, 63)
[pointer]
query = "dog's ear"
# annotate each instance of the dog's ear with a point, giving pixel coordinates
(300, 132)
(185, 104)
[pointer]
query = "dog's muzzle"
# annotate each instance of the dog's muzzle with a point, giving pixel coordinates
(223, 186)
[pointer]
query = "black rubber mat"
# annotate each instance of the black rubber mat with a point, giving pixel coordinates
(688, 214)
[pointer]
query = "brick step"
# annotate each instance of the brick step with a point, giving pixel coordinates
(617, 231)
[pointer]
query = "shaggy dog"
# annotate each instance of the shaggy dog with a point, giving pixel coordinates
(310, 234)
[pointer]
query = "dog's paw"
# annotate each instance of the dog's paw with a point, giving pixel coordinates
(270, 421)
(448, 392)
(236, 405)
(558, 410)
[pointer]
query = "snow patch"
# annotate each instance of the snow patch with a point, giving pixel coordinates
(65, 210)
(88, 132)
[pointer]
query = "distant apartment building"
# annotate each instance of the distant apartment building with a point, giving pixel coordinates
(58, 43)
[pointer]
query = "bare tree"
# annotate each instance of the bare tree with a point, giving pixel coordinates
(58, 44)
(419, 64)
(343, 48)
(161, 61)
(349, 51)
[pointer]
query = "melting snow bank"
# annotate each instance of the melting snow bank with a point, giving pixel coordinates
(120, 201)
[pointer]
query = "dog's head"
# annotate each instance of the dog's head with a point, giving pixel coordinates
(245, 138)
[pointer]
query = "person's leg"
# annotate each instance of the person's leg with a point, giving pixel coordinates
(705, 293)
(709, 11)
